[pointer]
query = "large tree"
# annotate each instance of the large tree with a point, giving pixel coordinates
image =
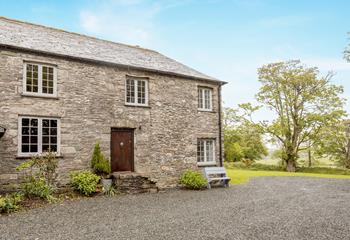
(334, 142)
(242, 139)
(302, 102)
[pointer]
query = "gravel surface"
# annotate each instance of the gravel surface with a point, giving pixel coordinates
(265, 208)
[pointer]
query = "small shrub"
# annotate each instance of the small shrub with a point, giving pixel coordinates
(10, 202)
(193, 180)
(111, 191)
(247, 162)
(99, 164)
(84, 182)
(43, 166)
(37, 187)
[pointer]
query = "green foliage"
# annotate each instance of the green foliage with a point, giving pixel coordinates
(99, 163)
(43, 166)
(193, 180)
(84, 182)
(334, 143)
(38, 187)
(242, 139)
(9, 203)
(111, 191)
(41, 174)
(302, 102)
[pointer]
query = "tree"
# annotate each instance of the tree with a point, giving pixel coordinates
(303, 103)
(334, 142)
(242, 139)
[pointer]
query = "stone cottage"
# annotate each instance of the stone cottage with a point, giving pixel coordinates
(64, 91)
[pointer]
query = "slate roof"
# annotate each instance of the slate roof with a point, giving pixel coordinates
(28, 36)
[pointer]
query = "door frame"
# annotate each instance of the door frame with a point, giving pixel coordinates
(124, 129)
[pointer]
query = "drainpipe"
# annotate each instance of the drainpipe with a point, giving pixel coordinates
(220, 125)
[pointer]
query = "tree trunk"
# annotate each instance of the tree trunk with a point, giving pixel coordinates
(309, 156)
(291, 166)
(290, 160)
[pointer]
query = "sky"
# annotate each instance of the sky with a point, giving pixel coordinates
(226, 39)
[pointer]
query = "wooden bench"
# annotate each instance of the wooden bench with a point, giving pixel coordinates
(216, 174)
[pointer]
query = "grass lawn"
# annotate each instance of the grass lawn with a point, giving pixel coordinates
(241, 176)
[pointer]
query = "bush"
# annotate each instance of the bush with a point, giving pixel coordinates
(99, 164)
(10, 202)
(193, 180)
(37, 187)
(43, 167)
(84, 182)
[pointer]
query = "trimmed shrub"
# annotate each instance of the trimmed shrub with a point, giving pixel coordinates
(37, 187)
(9, 203)
(84, 182)
(193, 180)
(99, 164)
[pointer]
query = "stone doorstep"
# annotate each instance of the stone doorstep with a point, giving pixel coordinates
(132, 182)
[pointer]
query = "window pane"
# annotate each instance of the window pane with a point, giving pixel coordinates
(25, 148)
(46, 123)
(31, 78)
(33, 148)
(25, 139)
(200, 98)
(25, 121)
(47, 77)
(25, 130)
(200, 151)
(141, 92)
(49, 137)
(46, 131)
(130, 91)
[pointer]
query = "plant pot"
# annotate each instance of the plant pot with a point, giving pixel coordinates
(106, 183)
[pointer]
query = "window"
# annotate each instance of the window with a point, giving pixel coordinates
(136, 92)
(38, 135)
(39, 80)
(204, 99)
(205, 151)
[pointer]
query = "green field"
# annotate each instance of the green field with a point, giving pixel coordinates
(241, 176)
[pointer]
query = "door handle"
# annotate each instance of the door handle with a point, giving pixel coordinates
(121, 144)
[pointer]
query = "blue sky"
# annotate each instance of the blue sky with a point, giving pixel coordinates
(227, 39)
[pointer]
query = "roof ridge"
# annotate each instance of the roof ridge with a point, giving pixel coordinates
(75, 33)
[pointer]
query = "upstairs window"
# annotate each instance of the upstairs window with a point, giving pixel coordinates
(205, 99)
(136, 92)
(39, 80)
(38, 135)
(205, 151)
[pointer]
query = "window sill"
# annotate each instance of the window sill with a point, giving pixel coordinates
(204, 164)
(39, 95)
(205, 110)
(35, 155)
(136, 105)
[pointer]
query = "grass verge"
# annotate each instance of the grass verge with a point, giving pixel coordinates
(241, 176)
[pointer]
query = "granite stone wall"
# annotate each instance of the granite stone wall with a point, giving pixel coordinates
(91, 100)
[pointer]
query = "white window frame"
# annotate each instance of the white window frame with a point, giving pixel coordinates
(30, 154)
(135, 103)
(201, 91)
(206, 163)
(40, 80)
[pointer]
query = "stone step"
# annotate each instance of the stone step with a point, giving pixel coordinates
(132, 182)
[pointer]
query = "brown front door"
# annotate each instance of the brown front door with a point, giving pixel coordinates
(122, 149)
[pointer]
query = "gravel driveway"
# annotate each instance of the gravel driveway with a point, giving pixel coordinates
(265, 208)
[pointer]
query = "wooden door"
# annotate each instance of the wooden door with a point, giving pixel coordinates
(122, 149)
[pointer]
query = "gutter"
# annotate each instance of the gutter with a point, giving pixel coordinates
(220, 124)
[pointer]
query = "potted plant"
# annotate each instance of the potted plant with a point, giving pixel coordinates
(101, 166)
